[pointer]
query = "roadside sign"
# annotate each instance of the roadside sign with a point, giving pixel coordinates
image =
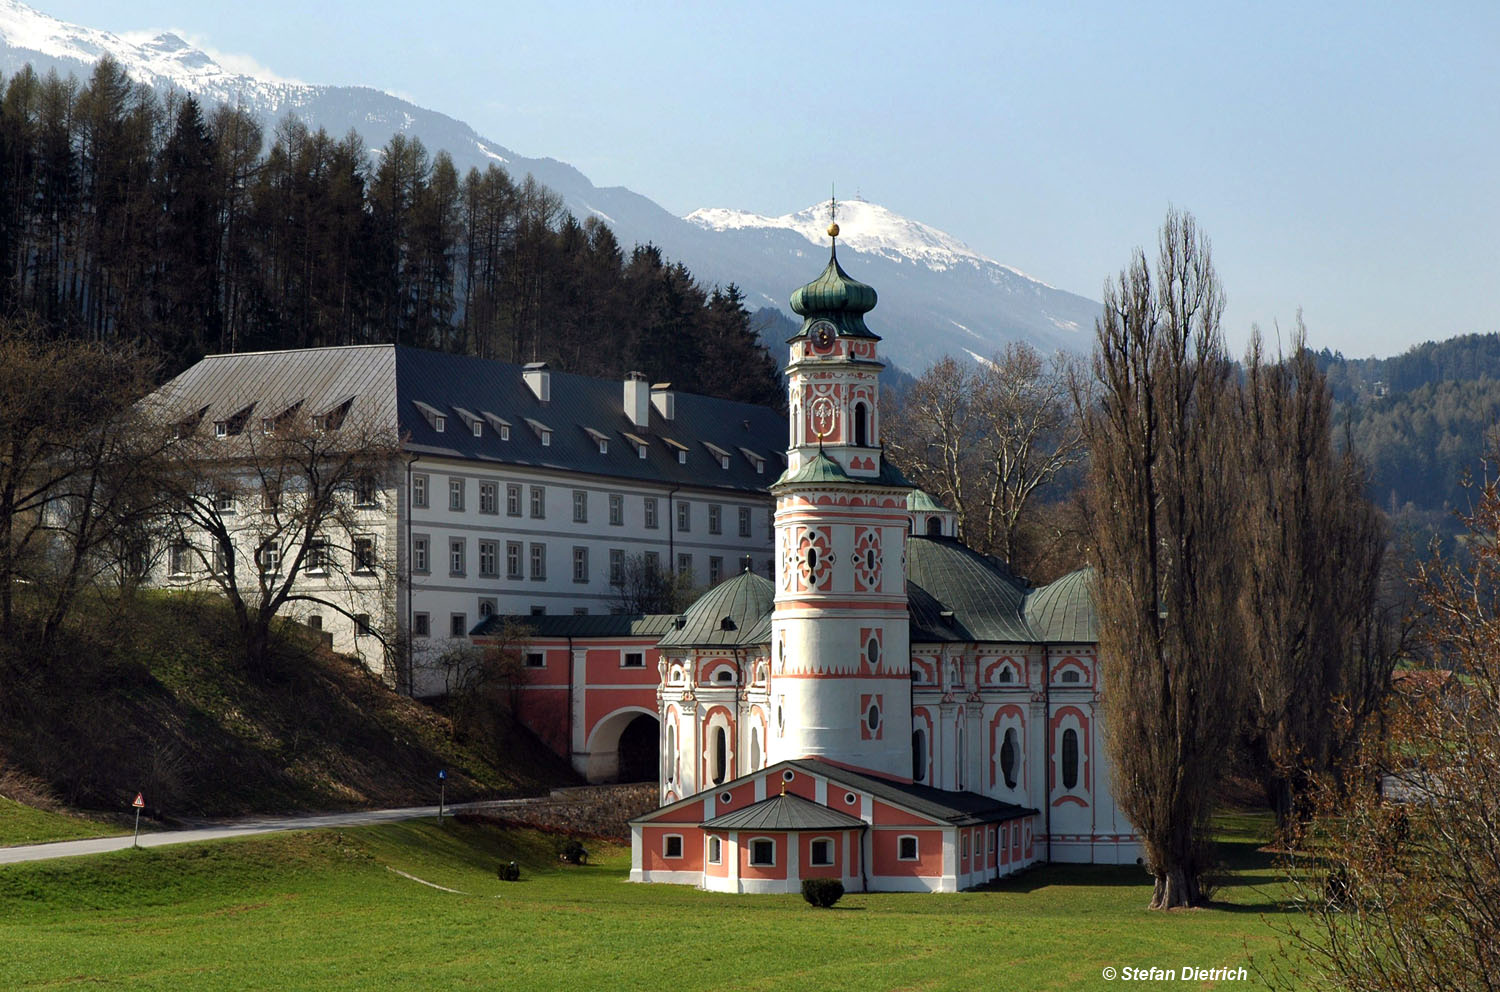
(139, 804)
(140, 801)
(442, 791)
(442, 774)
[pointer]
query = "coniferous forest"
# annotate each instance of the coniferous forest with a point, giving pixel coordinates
(130, 218)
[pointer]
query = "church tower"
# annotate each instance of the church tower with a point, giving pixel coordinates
(840, 681)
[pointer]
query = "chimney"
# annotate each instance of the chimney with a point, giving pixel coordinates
(661, 398)
(539, 379)
(637, 399)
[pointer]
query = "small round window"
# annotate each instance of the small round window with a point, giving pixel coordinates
(850, 798)
(725, 797)
(873, 717)
(787, 776)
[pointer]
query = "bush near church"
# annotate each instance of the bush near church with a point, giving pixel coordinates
(822, 892)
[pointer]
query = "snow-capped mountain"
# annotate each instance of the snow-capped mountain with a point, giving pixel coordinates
(937, 295)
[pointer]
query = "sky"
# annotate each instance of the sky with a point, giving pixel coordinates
(1343, 158)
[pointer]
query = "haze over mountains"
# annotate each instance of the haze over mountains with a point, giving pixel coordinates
(937, 296)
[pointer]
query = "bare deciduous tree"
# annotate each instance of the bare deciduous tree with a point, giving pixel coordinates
(287, 511)
(1317, 636)
(645, 587)
(986, 438)
(1160, 437)
(1399, 870)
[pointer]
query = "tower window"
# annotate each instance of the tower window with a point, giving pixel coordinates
(1008, 758)
(934, 526)
(861, 430)
(721, 755)
(918, 755)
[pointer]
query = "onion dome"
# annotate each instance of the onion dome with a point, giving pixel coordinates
(836, 296)
(737, 611)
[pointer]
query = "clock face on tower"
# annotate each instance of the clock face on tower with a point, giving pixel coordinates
(821, 334)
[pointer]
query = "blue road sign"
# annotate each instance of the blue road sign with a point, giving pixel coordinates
(442, 773)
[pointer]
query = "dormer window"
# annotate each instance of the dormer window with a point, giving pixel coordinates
(499, 425)
(221, 428)
(719, 454)
(440, 423)
(478, 428)
(678, 447)
(505, 433)
(639, 442)
(600, 439)
(267, 425)
(542, 431)
(754, 459)
(682, 457)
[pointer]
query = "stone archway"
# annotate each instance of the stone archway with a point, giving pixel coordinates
(623, 747)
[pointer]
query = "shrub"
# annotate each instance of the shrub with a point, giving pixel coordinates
(510, 872)
(573, 852)
(822, 892)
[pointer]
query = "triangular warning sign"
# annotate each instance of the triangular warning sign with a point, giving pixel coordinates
(140, 801)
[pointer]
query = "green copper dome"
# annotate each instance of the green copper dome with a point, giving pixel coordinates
(734, 612)
(837, 296)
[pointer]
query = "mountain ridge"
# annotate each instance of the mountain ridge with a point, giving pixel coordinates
(938, 296)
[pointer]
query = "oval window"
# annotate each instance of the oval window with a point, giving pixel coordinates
(1070, 759)
(870, 559)
(850, 798)
(812, 559)
(873, 716)
(872, 651)
(787, 776)
(725, 798)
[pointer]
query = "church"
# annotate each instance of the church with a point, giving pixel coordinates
(891, 708)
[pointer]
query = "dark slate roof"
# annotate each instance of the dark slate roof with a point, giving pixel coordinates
(401, 388)
(986, 600)
(737, 611)
(784, 813)
(961, 809)
(271, 382)
(568, 625)
(1063, 612)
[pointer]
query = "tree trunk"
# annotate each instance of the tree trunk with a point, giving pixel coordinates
(1176, 888)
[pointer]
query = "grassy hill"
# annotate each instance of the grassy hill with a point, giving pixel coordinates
(151, 699)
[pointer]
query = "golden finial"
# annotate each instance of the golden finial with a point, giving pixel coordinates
(833, 215)
(783, 787)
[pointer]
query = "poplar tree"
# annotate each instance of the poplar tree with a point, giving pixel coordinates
(1164, 497)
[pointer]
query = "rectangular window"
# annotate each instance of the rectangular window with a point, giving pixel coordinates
(180, 558)
(486, 607)
(421, 625)
(366, 492)
(580, 506)
(220, 560)
(821, 852)
(653, 563)
(440, 423)
(616, 510)
(715, 850)
(364, 554)
(715, 569)
(489, 559)
(744, 521)
(538, 611)
(512, 500)
(535, 659)
(616, 566)
(580, 564)
(479, 428)
(906, 848)
(456, 550)
(224, 502)
(419, 490)
(513, 559)
(715, 518)
(672, 846)
(538, 502)
(763, 853)
(634, 659)
(684, 516)
(419, 546)
(650, 512)
(316, 559)
(270, 495)
(458, 625)
(538, 561)
(455, 494)
(268, 557)
(488, 498)
(361, 624)
(685, 566)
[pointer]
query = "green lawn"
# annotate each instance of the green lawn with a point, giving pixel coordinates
(26, 825)
(325, 910)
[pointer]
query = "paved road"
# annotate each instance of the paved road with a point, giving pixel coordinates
(236, 828)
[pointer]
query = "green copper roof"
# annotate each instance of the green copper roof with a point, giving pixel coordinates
(978, 597)
(737, 611)
(837, 296)
(819, 468)
(787, 812)
(919, 501)
(1063, 612)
